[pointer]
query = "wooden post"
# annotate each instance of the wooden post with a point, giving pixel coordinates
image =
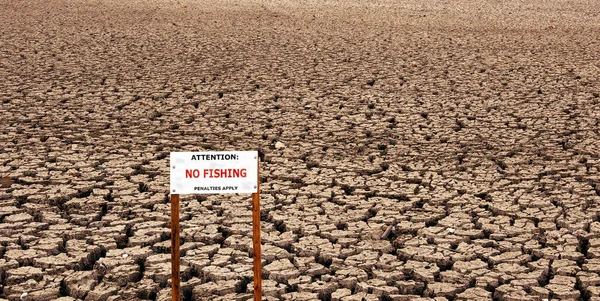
(256, 238)
(175, 286)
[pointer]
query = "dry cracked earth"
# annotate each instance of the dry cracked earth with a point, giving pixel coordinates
(410, 150)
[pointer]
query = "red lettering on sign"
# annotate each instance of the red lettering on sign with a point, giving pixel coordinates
(225, 173)
(192, 173)
(216, 173)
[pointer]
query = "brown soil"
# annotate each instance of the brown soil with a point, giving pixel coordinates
(443, 150)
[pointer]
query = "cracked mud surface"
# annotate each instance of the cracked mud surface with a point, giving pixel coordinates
(433, 150)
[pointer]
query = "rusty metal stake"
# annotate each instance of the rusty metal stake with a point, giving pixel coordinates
(175, 285)
(256, 239)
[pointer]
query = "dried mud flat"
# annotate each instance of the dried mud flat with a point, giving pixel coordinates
(468, 130)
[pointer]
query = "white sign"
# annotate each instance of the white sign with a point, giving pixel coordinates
(214, 172)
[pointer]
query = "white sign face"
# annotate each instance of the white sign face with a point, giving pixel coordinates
(214, 172)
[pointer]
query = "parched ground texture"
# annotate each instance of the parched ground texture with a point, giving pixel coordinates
(442, 150)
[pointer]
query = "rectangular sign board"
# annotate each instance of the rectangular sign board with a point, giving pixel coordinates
(214, 172)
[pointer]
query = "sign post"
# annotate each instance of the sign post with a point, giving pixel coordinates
(256, 239)
(175, 286)
(215, 172)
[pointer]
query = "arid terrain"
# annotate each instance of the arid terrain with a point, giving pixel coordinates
(410, 150)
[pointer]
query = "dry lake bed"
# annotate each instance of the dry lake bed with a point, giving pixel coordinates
(409, 150)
